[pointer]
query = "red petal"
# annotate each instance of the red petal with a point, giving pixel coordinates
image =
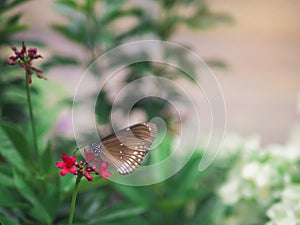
(86, 153)
(68, 160)
(103, 172)
(103, 166)
(63, 172)
(73, 170)
(60, 165)
(90, 157)
(64, 157)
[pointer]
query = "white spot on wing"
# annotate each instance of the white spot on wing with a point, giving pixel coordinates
(131, 159)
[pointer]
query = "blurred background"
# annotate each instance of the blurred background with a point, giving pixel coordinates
(252, 47)
(260, 49)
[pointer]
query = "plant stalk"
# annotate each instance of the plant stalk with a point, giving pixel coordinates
(73, 201)
(31, 115)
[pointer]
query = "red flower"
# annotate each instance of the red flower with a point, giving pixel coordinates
(82, 168)
(67, 165)
(90, 157)
(24, 58)
(103, 172)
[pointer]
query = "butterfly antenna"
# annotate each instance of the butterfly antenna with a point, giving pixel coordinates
(78, 148)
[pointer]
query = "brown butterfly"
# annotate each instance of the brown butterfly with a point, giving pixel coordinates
(126, 149)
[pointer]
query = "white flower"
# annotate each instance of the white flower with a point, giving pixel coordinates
(251, 170)
(229, 192)
(259, 177)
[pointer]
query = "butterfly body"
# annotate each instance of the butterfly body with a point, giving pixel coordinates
(126, 149)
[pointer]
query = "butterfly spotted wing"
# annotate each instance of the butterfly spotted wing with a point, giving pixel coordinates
(126, 149)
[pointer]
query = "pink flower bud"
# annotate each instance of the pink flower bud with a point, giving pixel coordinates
(88, 176)
(11, 62)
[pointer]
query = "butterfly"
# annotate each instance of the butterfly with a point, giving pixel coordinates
(126, 149)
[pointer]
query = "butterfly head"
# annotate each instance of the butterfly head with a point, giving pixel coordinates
(96, 148)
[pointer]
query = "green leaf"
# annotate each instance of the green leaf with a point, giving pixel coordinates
(205, 19)
(9, 152)
(7, 221)
(13, 19)
(5, 180)
(122, 213)
(59, 61)
(89, 5)
(188, 176)
(112, 6)
(115, 213)
(14, 95)
(52, 200)
(18, 140)
(38, 210)
(134, 194)
(73, 34)
(103, 108)
(67, 183)
(164, 149)
(46, 160)
(12, 29)
(7, 197)
(5, 6)
(108, 18)
(216, 63)
(5, 170)
(68, 3)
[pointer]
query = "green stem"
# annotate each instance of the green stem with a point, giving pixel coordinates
(73, 201)
(31, 114)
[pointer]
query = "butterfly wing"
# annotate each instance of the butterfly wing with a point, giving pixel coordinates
(126, 149)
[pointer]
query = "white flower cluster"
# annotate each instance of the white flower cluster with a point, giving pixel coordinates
(287, 210)
(263, 183)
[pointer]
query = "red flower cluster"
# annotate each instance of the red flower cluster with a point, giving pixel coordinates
(70, 165)
(24, 58)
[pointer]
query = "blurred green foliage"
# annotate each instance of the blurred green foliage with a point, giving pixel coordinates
(31, 191)
(11, 100)
(9, 23)
(99, 26)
